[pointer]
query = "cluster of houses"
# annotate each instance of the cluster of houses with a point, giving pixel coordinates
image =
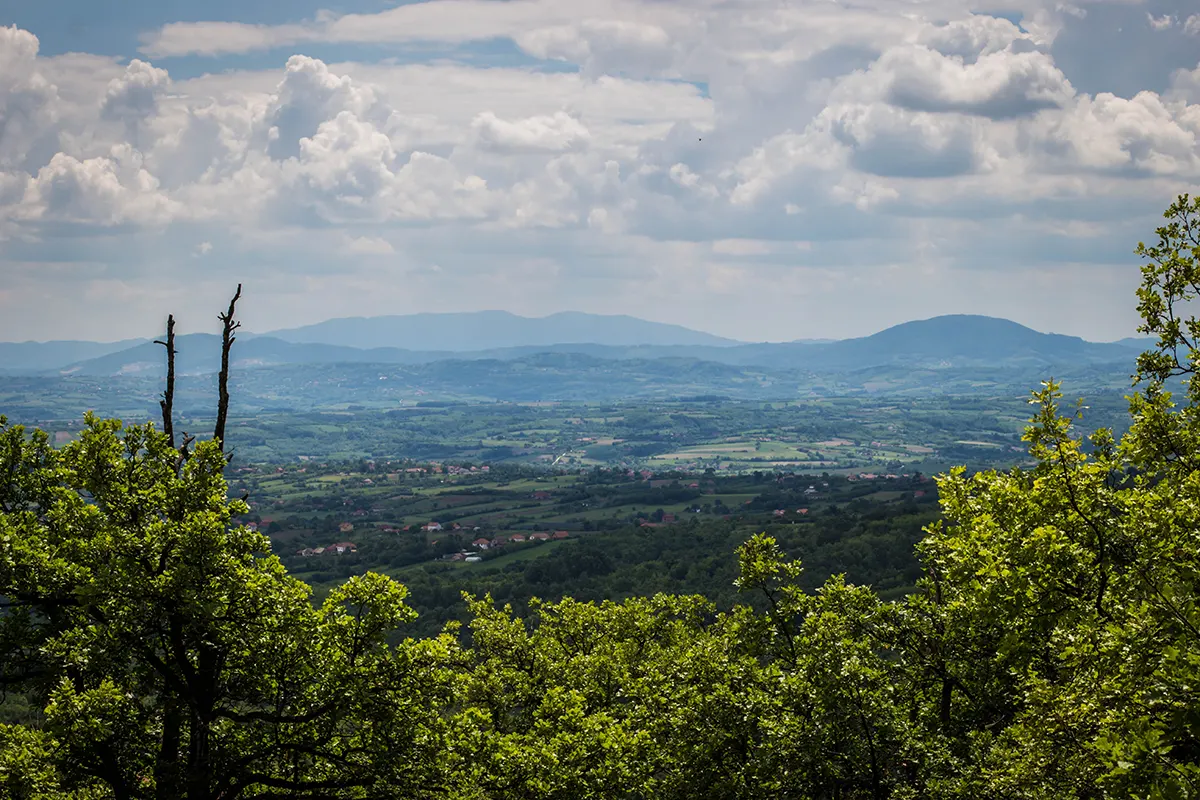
(336, 549)
(496, 542)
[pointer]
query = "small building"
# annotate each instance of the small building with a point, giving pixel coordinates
(517, 538)
(431, 526)
(482, 544)
(559, 535)
(539, 537)
(346, 527)
(341, 547)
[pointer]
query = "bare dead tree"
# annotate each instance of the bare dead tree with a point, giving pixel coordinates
(227, 340)
(168, 401)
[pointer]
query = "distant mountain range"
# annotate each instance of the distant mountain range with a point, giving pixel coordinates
(947, 342)
(41, 356)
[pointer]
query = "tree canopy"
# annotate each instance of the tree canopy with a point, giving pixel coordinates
(1052, 648)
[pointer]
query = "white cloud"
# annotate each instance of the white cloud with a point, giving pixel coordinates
(997, 84)
(309, 95)
(105, 191)
(369, 246)
(1165, 22)
(1140, 136)
(135, 94)
(1192, 25)
(553, 133)
(217, 38)
(28, 101)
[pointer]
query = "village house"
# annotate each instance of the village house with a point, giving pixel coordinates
(340, 548)
(431, 526)
(482, 544)
(539, 537)
(517, 538)
(346, 527)
(559, 535)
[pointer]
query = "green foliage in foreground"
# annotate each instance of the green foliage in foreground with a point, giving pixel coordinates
(1052, 648)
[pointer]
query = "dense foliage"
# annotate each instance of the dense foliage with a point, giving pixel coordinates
(1052, 648)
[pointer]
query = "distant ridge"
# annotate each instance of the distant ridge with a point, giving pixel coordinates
(950, 342)
(40, 356)
(970, 340)
(484, 330)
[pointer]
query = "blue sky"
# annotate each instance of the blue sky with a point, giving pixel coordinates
(761, 170)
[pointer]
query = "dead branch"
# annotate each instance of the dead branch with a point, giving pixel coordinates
(183, 450)
(227, 340)
(168, 401)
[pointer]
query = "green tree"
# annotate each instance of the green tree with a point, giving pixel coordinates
(1062, 603)
(172, 654)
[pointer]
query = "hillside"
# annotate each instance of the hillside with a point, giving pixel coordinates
(966, 340)
(481, 330)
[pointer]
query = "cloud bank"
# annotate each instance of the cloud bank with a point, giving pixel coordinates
(759, 171)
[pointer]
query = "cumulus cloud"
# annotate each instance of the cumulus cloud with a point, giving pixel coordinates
(309, 95)
(553, 133)
(27, 99)
(998, 84)
(104, 191)
(1143, 136)
(135, 94)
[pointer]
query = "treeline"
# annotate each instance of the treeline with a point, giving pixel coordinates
(1049, 649)
(679, 559)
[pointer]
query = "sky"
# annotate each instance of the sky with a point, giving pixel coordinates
(765, 170)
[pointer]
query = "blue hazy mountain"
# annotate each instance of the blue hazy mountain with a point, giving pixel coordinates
(486, 330)
(948, 342)
(40, 356)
